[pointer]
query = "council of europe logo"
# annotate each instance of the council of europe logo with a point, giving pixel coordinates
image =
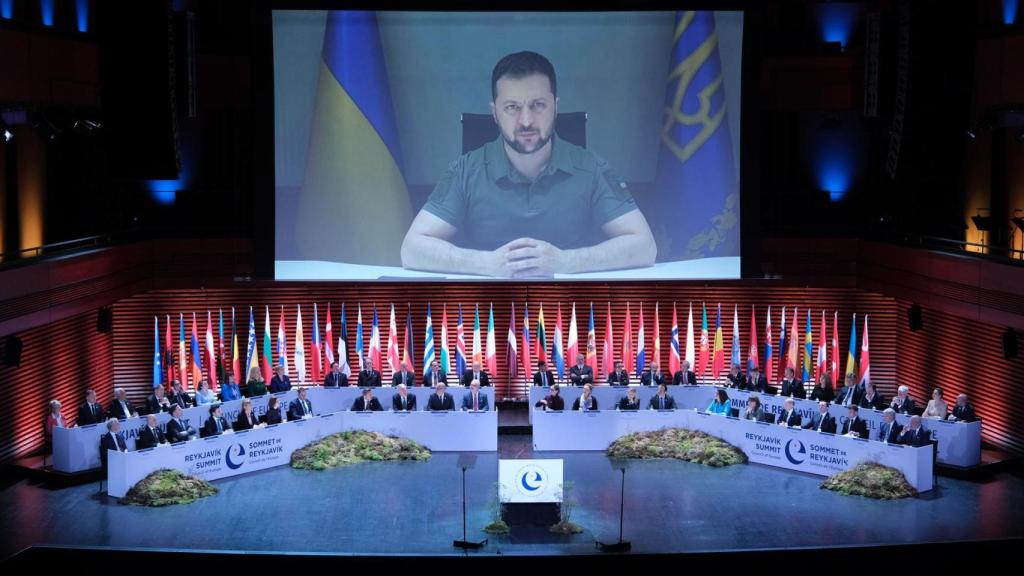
(235, 456)
(798, 455)
(531, 480)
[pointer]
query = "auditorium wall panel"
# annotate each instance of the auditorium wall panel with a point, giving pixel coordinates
(59, 361)
(963, 356)
(134, 318)
(62, 359)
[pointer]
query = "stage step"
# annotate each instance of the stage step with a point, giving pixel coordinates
(993, 461)
(32, 468)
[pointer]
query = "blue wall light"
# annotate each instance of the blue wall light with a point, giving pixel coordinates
(837, 21)
(7, 9)
(47, 8)
(82, 15)
(832, 145)
(164, 192)
(1009, 12)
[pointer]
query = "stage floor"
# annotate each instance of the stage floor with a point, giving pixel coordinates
(414, 508)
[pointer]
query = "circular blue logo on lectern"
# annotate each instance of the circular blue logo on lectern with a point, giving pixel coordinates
(531, 480)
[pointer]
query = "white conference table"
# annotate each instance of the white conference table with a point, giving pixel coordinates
(959, 442)
(791, 448)
(236, 453)
(77, 449)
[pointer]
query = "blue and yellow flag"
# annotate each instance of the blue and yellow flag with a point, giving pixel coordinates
(697, 182)
(354, 206)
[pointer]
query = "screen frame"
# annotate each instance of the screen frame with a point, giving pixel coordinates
(264, 248)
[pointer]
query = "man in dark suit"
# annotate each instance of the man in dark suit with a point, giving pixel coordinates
(755, 382)
(474, 401)
(435, 375)
(368, 376)
(662, 400)
(889, 431)
(280, 382)
(685, 376)
(822, 421)
(335, 378)
(543, 376)
(902, 403)
(854, 424)
(366, 402)
(403, 401)
(158, 402)
(735, 379)
(476, 373)
(653, 377)
(553, 401)
(91, 412)
(179, 396)
(150, 435)
(581, 373)
(914, 434)
(177, 429)
(789, 416)
(120, 407)
(300, 407)
(404, 376)
(112, 440)
(871, 399)
(440, 400)
(963, 411)
(851, 393)
(619, 377)
(792, 386)
(216, 423)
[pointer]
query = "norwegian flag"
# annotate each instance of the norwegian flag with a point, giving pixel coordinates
(865, 365)
(460, 346)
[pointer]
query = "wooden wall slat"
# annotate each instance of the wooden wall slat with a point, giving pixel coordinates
(134, 317)
(963, 356)
(59, 361)
(62, 359)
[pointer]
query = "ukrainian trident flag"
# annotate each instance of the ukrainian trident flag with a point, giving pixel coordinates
(353, 180)
(697, 179)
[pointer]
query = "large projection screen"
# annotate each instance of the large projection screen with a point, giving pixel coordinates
(522, 145)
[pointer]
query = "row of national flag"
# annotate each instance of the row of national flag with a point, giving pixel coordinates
(207, 357)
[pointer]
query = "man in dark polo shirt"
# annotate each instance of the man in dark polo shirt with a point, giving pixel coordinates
(528, 204)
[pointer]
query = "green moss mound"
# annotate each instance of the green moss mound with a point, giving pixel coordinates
(678, 443)
(566, 527)
(497, 527)
(872, 480)
(168, 487)
(356, 446)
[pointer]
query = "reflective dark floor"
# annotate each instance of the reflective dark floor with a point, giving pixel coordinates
(414, 508)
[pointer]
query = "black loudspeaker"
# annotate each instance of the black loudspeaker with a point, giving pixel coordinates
(137, 73)
(104, 320)
(12, 351)
(1010, 344)
(914, 318)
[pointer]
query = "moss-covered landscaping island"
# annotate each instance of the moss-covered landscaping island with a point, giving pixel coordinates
(678, 443)
(355, 446)
(872, 480)
(167, 487)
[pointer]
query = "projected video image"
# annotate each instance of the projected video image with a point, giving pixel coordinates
(506, 145)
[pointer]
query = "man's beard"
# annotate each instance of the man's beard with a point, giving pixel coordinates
(520, 148)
